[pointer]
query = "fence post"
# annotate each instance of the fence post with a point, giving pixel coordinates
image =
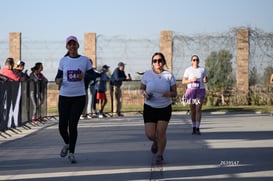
(15, 45)
(166, 47)
(242, 76)
(90, 47)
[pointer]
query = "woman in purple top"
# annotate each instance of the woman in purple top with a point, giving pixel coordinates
(195, 77)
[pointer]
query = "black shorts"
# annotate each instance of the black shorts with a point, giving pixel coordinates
(152, 115)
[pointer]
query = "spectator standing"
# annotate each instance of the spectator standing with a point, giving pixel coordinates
(158, 87)
(18, 70)
(101, 92)
(8, 72)
(86, 85)
(37, 90)
(93, 101)
(73, 69)
(115, 88)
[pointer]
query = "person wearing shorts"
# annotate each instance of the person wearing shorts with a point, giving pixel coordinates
(158, 87)
(195, 77)
(101, 95)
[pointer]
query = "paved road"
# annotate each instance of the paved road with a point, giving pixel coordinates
(231, 147)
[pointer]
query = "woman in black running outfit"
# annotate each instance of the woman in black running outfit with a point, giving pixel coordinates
(73, 67)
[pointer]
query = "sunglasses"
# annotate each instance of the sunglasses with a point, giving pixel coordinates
(157, 60)
(195, 60)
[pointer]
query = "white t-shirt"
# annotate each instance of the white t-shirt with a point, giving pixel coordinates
(157, 84)
(199, 73)
(71, 84)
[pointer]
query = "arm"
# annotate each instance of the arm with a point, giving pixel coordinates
(172, 92)
(144, 93)
(186, 80)
(205, 79)
(59, 77)
(90, 75)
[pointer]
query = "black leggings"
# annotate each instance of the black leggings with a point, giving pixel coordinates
(70, 109)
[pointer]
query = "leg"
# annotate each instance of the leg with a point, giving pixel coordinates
(64, 108)
(34, 104)
(193, 117)
(118, 100)
(92, 95)
(76, 110)
(200, 99)
(198, 116)
(112, 94)
(104, 102)
(161, 130)
(84, 112)
(150, 131)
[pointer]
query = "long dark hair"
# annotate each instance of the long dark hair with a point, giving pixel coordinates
(195, 56)
(162, 56)
(37, 66)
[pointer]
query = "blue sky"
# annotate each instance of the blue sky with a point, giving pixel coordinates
(55, 19)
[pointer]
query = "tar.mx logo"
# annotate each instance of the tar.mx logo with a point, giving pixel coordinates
(190, 101)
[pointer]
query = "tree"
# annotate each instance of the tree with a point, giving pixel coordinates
(253, 76)
(219, 70)
(266, 76)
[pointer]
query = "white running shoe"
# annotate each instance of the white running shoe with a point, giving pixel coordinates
(64, 151)
(71, 158)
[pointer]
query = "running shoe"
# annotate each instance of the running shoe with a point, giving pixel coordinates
(64, 151)
(159, 159)
(101, 116)
(193, 130)
(154, 147)
(71, 158)
(120, 115)
(198, 131)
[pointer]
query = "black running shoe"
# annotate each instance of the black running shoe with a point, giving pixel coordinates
(194, 131)
(64, 151)
(198, 131)
(154, 147)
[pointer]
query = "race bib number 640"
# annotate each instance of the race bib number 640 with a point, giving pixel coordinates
(73, 75)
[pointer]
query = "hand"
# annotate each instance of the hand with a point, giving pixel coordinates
(167, 94)
(59, 81)
(147, 96)
(193, 79)
(205, 79)
(80, 74)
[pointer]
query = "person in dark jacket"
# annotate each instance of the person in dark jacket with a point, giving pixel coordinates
(115, 88)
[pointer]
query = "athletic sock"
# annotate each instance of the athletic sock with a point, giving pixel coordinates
(197, 125)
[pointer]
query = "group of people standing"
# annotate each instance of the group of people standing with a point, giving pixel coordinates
(14, 71)
(158, 87)
(98, 90)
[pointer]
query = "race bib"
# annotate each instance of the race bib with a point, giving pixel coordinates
(73, 75)
(195, 85)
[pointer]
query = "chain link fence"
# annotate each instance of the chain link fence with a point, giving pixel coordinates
(136, 52)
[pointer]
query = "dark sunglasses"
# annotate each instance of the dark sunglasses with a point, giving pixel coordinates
(195, 60)
(157, 60)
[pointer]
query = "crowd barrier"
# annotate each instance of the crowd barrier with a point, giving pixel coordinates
(20, 100)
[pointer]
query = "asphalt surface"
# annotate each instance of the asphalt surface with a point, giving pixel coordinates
(231, 147)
